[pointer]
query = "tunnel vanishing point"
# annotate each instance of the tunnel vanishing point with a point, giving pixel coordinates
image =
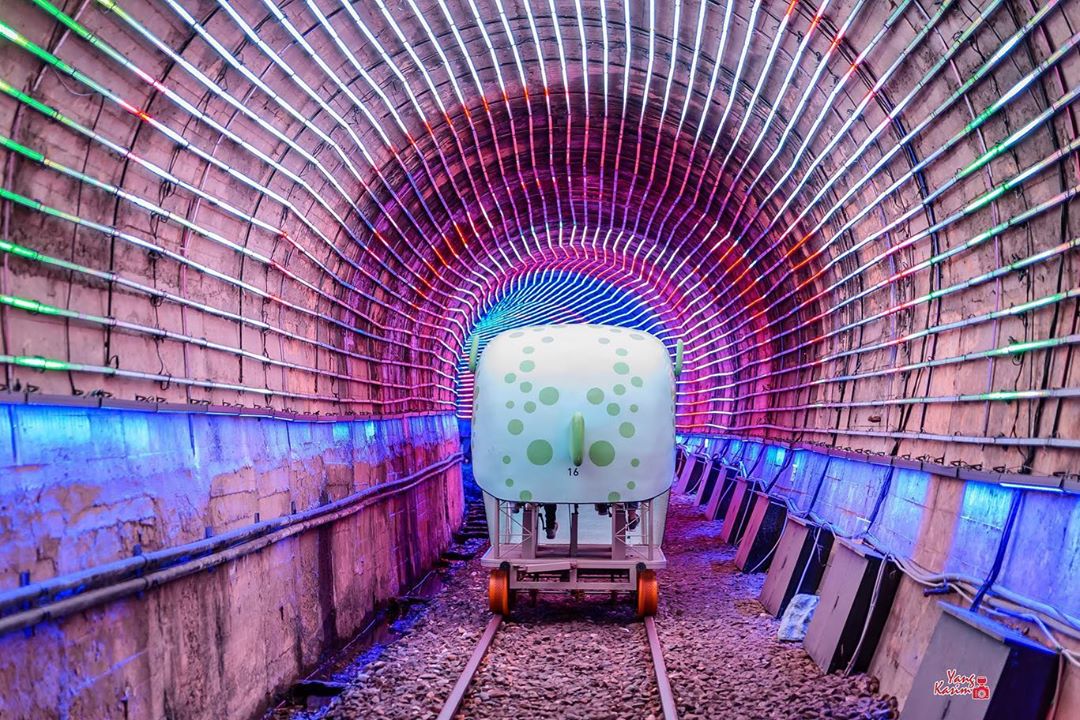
(247, 246)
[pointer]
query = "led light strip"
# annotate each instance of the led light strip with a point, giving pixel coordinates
(924, 124)
(174, 136)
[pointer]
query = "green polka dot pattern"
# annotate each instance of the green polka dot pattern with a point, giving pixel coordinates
(620, 382)
(602, 453)
(540, 452)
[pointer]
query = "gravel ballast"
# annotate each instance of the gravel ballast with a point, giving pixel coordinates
(589, 658)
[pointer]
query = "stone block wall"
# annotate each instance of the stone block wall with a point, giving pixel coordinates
(82, 487)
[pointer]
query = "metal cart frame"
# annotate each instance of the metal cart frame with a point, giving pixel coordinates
(533, 564)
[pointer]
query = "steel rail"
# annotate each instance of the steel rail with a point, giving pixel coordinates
(457, 694)
(667, 699)
(453, 702)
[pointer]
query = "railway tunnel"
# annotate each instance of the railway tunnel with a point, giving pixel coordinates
(251, 249)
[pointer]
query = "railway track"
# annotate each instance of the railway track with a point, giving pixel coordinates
(461, 687)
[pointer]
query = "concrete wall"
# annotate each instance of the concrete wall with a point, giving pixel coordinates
(947, 526)
(84, 487)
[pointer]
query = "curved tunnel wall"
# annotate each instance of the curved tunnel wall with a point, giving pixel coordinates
(858, 216)
(855, 216)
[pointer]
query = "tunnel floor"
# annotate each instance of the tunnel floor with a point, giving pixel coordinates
(589, 659)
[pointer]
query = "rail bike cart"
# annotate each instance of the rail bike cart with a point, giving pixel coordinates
(573, 444)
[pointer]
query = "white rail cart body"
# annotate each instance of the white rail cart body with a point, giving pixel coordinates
(576, 424)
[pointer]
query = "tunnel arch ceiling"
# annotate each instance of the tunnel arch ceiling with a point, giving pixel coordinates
(857, 215)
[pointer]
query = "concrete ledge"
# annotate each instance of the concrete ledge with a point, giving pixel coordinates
(1065, 483)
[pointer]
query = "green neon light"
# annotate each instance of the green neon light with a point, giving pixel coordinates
(30, 305)
(40, 363)
(21, 149)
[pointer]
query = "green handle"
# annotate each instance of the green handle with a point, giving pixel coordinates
(678, 357)
(577, 439)
(474, 349)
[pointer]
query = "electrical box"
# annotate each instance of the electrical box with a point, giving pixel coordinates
(857, 592)
(680, 460)
(738, 512)
(691, 473)
(978, 669)
(708, 481)
(720, 497)
(798, 564)
(763, 529)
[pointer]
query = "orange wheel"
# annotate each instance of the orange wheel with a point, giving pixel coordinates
(499, 591)
(648, 593)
